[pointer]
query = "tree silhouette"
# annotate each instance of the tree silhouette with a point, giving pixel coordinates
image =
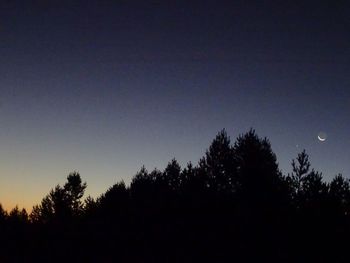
(235, 205)
(172, 175)
(90, 206)
(191, 180)
(17, 216)
(142, 181)
(301, 168)
(308, 189)
(115, 200)
(314, 192)
(44, 212)
(218, 164)
(3, 214)
(74, 189)
(62, 203)
(339, 195)
(257, 170)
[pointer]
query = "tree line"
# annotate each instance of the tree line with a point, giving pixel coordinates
(234, 205)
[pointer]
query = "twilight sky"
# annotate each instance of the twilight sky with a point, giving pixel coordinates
(103, 87)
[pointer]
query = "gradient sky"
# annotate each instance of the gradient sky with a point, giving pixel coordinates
(102, 87)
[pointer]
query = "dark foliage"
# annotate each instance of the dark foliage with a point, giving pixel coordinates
(234, 206)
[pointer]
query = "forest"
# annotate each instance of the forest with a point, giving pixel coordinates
(235, 205)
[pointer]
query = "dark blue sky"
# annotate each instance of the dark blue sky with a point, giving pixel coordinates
(103, 87)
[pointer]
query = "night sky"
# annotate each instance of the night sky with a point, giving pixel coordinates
(103, 87)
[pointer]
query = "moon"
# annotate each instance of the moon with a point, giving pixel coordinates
(322, 136)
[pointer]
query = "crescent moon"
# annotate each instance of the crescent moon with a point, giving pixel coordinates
(321, 139)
